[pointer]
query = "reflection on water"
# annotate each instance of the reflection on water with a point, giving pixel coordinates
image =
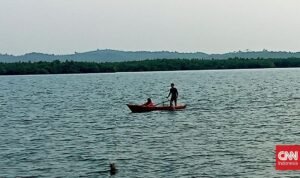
(67, 125)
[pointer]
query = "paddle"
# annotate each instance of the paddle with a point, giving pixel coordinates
(161, 102)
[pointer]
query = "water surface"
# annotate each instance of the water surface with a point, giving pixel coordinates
(75, 125)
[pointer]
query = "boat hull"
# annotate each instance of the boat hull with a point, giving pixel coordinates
(139, 108)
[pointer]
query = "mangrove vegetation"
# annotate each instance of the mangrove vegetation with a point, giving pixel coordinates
(68, 67)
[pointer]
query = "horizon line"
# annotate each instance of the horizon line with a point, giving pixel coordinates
(171, 51)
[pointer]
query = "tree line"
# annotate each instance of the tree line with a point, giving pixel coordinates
(68, 67)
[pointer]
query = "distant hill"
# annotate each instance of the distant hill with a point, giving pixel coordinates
(109, 55)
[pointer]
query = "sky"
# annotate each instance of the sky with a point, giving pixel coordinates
(211, 26)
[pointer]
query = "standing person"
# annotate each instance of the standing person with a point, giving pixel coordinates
(174, 95)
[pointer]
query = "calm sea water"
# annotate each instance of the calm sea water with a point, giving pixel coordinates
(75, 125)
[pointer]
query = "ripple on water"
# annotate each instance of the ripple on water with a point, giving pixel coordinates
(75, 125)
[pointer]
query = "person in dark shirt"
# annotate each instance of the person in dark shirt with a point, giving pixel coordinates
(174, 95)
(149, 103)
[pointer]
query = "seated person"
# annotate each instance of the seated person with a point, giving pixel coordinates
(149, 103)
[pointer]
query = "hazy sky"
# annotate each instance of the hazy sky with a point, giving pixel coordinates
(213, 26)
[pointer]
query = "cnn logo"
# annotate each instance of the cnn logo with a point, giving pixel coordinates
(288, 155)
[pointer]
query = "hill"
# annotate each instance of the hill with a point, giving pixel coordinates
(109, 55)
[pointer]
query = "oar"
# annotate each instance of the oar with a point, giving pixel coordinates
(161, 102)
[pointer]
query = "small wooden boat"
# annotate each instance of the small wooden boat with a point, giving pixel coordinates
(141, 108)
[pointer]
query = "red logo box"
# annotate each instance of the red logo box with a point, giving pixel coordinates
(287, 157)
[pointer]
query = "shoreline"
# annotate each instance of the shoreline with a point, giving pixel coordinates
(157, 65)
(158, 71)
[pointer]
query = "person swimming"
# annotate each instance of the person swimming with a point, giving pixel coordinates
(113, 170)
